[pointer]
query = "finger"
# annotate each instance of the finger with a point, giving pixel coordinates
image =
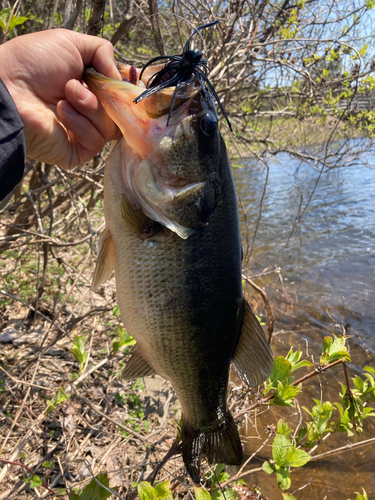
(98, 52)
(88, 105)
(85, 137)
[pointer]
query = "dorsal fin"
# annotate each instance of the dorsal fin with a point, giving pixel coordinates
(252, 358)
(106, 260)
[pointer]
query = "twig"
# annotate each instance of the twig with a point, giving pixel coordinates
(347, 447)
(123, 427)
(265, 400)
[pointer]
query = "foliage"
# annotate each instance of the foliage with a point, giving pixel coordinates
(9, 21)
(362, 496)
(34, 481)
(95, 490)
(161, 491)
(287, 452)
(78, 350)
(124, 340)
(60, 397)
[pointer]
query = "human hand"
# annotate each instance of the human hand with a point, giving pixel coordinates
(64, 122)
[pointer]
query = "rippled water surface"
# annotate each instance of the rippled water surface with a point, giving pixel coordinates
(326, 285)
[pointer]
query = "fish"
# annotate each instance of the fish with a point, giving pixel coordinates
(172, 238)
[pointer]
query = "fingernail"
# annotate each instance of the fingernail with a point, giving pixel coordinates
(81, 92)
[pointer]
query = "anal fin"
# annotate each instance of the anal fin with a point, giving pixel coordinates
(106, 260)
(252, 358)
(137, 367)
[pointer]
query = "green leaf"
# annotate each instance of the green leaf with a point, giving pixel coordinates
(334, 349)
(73, 496)
(163, 490)
(146, 491)
(95, 492)
(288, 496)
(200, 494)
(302, 363)
(280, 447)
(125, 338)
(268, 467)
(4, 17)
(229, 495)
(60, 398)
(285, 394)
(35, 482)
(283, 478)
(281, 371)
(48, 464)
(283, 428)
(293, 357)
(78, 349)
(297, 458)
(16, 20)
(370, 370)
(361, 497)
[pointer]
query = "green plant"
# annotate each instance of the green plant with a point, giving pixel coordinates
(124, 340)
(60, 397)
(135, 408)
(282, 389)
(361, 496)
(285, 455)
(95, 490)
(161, 491)
(34, 481)
(9, 21)
(78, 350)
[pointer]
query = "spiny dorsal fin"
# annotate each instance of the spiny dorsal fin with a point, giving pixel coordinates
(252, 359)
(106, 260)
(137, 367)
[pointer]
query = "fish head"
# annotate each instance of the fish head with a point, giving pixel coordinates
(170, 164)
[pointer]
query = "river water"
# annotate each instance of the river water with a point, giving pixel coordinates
(326, 285)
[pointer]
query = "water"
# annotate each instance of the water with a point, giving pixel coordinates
(326, 285)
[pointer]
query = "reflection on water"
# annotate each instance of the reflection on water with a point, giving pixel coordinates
(326, 285)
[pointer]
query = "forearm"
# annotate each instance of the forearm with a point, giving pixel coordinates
(12, 143)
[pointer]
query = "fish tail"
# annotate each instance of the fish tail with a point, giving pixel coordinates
(222, 445)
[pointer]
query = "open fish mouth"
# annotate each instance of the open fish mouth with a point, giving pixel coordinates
(163, 172)
(148, 116)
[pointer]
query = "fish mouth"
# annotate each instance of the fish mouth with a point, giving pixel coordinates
(161, 169)
(117, 98)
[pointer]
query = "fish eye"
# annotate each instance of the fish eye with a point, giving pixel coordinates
(208, 124)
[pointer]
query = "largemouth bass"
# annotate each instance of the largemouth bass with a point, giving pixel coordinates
(172, 237)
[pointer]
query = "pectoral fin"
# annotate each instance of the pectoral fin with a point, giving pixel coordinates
(138, 221)
(137, 367)
(252, 358)
(106, 260)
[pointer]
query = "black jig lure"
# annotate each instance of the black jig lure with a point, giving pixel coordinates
(180, 70)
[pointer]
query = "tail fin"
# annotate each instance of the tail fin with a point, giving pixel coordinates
(222, 445)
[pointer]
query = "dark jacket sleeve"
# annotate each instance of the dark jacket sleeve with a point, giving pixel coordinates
(12, 143)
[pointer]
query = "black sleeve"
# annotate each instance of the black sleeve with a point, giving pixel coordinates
(12, 143)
